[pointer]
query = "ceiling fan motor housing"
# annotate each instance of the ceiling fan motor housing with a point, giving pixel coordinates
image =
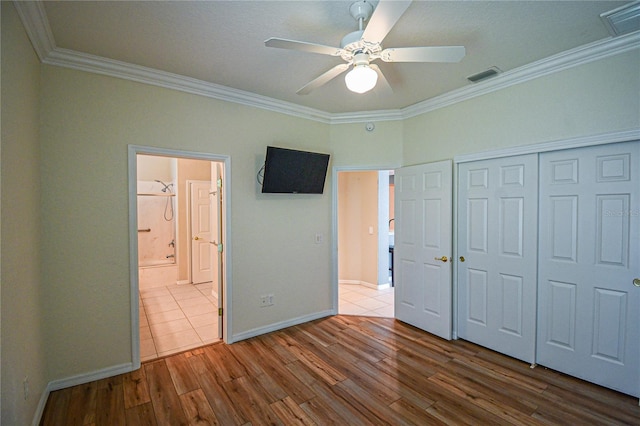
(361, 10)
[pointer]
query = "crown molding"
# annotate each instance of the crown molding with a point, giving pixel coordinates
(364, 116)
(99, 65)
(35, 21)
(553, 64)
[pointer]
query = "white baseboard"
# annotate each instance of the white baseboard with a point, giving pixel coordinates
(280, 325)
(77, 380)
(182, 282)
(365, 284)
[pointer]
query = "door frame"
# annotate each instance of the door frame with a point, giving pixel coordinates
(133, 151)
(334, 221)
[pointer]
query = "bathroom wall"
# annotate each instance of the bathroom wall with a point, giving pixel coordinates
(156, 211)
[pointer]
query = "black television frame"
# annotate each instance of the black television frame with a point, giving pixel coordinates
(290, 171)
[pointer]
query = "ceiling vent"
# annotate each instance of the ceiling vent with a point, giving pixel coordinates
(623, 20)
(483, 75)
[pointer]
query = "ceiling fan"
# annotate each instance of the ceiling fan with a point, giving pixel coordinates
(361, 47)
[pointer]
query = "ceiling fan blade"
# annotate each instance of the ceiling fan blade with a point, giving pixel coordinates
(382, 86)
(323, 79)
(303, 46)
(383, 19)
(423, 54)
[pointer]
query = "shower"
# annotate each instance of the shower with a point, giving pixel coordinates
(168, 208)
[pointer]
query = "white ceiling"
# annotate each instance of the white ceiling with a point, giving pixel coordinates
(222, 42)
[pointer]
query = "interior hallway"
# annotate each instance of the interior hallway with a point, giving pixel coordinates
(357, 299)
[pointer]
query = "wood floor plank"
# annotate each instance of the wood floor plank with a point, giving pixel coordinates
(413, 414)
(110, 403)
(141, 414)
(55, 411)
(251, 402)
(224, 364)
(197, 409)
(136, 390)
(184, 379)
(164, 396)
(318, 365)
(82, 404)
(487, 401)
(290, 413)
(225, 410)
(279, 376)
(341, 370)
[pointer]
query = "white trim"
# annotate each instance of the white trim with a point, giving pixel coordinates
(334, 221)
(578, 56)
(78, 379)
(365, 284)
(280, 325)
(36, 24)
(577, 142)
(99, 65)
(133, 151)
(183, 282)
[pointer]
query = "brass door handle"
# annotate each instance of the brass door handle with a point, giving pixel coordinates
(636, 282)
(196, 238)
(461, 258)
(443, 258)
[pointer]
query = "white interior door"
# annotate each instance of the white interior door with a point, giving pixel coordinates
(422, 252)
(218, 246)
(497, 245)
(202, 233)
(589, 308)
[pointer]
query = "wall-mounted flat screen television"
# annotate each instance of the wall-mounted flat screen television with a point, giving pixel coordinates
(288, 171)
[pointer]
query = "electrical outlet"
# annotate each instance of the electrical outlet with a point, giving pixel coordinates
(25, 386)
(266, 300)
(319, 238)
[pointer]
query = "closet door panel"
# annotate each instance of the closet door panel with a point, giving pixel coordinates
(497, 217)
(589, 308)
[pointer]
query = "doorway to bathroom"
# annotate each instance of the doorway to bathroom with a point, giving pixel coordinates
(365, 223)
(180, 215)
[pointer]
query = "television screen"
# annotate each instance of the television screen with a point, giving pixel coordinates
(287, 171)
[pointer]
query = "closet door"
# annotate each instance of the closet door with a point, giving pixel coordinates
(497, 248)
(589, 308)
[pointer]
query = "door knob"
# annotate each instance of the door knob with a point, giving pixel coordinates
(443, 258)
(196, 238)
(461, 258)
(636, 282)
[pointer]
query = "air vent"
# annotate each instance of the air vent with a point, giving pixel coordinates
(483, 75)
(623, 20)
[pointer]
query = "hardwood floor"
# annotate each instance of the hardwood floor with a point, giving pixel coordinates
(340, 370)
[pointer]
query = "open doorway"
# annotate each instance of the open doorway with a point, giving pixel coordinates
(365, 242)
(179, 211)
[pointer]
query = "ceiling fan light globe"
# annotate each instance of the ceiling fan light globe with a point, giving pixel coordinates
(361, 79)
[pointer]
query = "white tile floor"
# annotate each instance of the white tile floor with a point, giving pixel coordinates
(360, 300)
(176, 318)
